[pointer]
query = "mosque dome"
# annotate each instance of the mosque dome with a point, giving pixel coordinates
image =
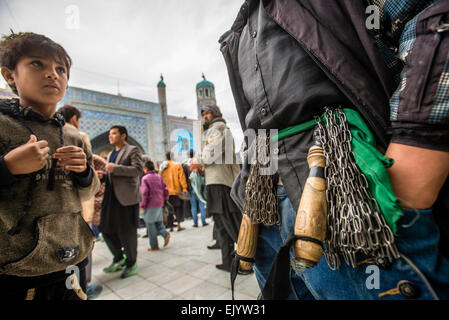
(161, 83)
(204, 83)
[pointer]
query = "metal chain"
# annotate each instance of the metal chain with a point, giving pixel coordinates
(261, 203)
(355, 222)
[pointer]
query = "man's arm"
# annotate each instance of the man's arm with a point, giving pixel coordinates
(212, 152)
(182, 178)
(419, 113)
(417, 174)
(166, 194)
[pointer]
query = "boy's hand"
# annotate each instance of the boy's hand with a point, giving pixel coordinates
(100, 174)
(72, 158)
(27, 158)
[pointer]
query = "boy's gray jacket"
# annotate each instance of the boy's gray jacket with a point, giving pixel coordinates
(52, 235)
(126, 175)
(218, 155)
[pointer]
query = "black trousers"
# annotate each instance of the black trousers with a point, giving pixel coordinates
(48, 287)
(214, 233)
(187, 209)
(117, 241)
(224, 239)
(179, 211)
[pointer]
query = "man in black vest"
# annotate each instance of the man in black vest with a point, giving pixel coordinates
(287, 60)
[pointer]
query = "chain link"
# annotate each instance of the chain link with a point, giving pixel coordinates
(354, 222)
(261, 201)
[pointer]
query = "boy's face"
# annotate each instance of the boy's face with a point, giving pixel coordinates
(115, 137)
(40, 80)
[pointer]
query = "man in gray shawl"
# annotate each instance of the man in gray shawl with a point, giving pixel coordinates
(221, 168)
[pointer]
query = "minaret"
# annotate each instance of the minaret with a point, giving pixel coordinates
(161, 93)
(205, 93)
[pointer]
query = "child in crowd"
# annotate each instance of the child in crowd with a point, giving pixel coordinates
(45, 173)
(154, 194)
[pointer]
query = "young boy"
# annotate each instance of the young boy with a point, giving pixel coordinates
(154, 194)
(45, 173)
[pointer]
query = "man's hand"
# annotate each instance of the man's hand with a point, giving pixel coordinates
(27, 158)
(72, 158)
(110, 167)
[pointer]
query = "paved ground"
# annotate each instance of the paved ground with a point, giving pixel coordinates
(184, 270)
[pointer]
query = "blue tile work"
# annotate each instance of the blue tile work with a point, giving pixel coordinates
(181, 135)
(142, 119)
(6, 94)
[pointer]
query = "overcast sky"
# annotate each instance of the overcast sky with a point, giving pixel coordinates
(124, 45)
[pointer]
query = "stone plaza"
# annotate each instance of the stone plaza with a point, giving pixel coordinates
(184, 270)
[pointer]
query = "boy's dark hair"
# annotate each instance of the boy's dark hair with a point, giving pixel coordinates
(149, 165)
(68, 111)
(168, 155)
(121, 130)
(17, 45)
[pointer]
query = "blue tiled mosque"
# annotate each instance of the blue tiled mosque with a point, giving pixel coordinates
(100, 111)
(148, 123)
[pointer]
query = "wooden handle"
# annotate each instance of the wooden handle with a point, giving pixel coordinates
(76, 287)
(247, 242)
(311, 218)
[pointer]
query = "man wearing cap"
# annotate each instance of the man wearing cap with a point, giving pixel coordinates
(221, 169)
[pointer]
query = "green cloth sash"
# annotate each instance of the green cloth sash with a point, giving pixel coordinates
(371, 162)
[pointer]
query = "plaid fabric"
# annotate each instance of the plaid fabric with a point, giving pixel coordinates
(440, 110)
(395, 52)
(392, 8)
(405, 45)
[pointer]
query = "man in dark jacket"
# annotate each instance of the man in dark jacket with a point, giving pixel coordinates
(120, 208)
(287, 60)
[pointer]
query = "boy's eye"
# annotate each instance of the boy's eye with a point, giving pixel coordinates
(60, 69)
(36, 63)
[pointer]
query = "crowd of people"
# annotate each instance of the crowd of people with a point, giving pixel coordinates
(133, 189)
(361, 151)
(113, 193)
